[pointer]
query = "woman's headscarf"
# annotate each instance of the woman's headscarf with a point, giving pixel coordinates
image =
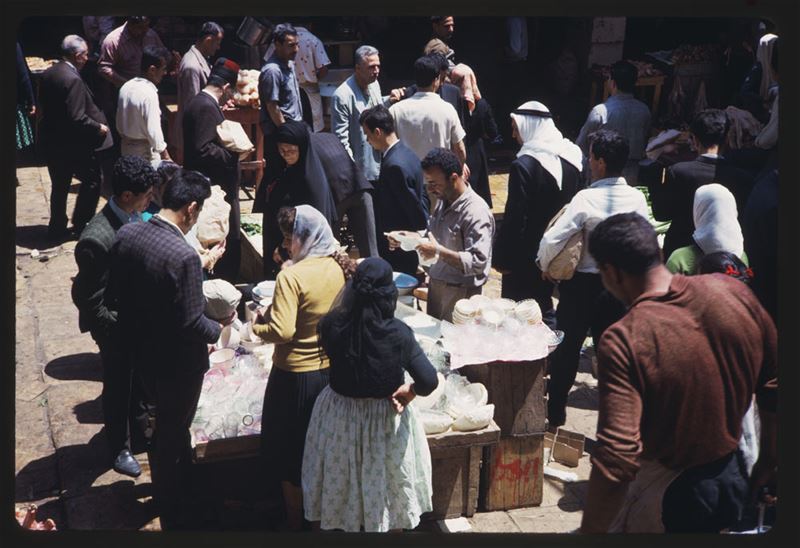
(463, 76)
(361, 331)
(764, 57)
(304, 182)
(542, 140)
(311, 234)
(715, 220)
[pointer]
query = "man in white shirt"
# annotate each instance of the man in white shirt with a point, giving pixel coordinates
(139, 112)
(425, 121)
(310, 66)
(583, 302)
(193, 74)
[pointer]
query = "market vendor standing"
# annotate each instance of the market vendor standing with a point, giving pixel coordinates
(305, 289)
(460, 235)
(204, 153)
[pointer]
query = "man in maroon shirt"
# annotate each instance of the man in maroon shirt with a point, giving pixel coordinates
(676, 375)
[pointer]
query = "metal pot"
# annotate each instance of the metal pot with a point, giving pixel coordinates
(254, 31)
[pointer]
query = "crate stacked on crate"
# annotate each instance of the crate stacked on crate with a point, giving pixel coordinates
(512, 472)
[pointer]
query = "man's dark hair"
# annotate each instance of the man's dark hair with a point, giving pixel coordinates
(133, 173)
(209, 28)
(426, 70)
(611, 147)
(184, 188)
(624, 74)
(138, 19)
(153, 56)
(441, 61)
(282, 31)
(286, 217)
(377, 117)
(627, 241)
(710, 127)
(444, 159)
(166, 171)
(439, 18)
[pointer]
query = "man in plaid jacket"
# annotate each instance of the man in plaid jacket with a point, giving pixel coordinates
(156, 284)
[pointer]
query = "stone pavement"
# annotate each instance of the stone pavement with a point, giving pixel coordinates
(62, 463)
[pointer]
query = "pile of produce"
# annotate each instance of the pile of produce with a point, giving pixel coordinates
(686, 54)
(246, 94)
(37, 63)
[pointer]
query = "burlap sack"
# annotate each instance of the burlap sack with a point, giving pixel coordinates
(563, 265)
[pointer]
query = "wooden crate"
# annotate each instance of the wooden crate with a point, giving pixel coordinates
(227, 449)
(517, 392)
(456, 460)
(251, 265)
(512, 476)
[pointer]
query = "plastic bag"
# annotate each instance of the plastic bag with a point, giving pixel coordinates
(460, 398)
(222, 299)
(212, 224)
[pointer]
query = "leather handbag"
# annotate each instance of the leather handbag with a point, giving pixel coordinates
(563, 265)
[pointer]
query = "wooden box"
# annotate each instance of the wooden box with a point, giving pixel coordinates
(517, 392)
(251, 265)
(456, 460)
(227, 449)
(565, 447)
(512, 475)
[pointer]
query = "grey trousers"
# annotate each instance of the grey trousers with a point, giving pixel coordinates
(361, 215)
(442, 298)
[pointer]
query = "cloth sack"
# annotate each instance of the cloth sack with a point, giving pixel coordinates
(563, 265)
(213, 224)
(234, 138)
(222, 299)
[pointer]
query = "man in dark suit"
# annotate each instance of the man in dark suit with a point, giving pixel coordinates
(674, 199)
(74, 130)
(155, 284)
(204, 152)
(401, 202)
(133, 182)
(350, 189)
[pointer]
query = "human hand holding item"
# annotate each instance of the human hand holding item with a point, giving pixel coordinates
(429, 249)
(402, 397)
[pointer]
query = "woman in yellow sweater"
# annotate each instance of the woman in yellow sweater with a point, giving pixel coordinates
(305, 289)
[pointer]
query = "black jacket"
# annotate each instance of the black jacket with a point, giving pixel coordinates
(344, 177)
(156, 285)
(88, 288)
(203, 150)
(70, 118)
(674, 199)
(533, 199)
(401, 202)
(480, 124)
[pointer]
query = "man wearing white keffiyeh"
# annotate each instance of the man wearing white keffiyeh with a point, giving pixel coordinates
(544, 177)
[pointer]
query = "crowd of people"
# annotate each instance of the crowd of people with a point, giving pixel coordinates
(680, 355)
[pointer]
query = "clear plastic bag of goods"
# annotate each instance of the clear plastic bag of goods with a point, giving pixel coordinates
(460, 397)
(474, 419)
(435, 422)
(212, 224)
(434, 400)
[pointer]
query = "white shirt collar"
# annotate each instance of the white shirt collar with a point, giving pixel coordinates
(609, 181)
(385, 152)
(170, 223)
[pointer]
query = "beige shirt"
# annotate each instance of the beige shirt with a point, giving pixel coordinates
(425, 121)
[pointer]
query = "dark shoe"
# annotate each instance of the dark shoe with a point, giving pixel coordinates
(126, 464)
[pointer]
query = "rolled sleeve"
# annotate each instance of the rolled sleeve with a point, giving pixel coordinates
(457, 132)
(554, 240)
(477, 247)
(619, 444)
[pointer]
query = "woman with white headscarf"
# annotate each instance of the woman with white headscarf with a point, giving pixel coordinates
(544, 177)
(757, 92)
(305, 289)
(716, 229)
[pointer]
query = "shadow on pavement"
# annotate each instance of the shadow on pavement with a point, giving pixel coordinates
(85, 366)
(90, 412)
(33, 237)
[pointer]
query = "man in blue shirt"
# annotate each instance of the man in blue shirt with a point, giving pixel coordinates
(133, 184)
(622, 113)
(280, 101)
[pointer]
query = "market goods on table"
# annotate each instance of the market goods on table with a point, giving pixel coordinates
(222, 298)
(456, 403)
(246, 94)
(38, 64)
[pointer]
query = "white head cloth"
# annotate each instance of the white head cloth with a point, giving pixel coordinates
(311, 234)
(764, 57)
(542, 140)
(715, 221)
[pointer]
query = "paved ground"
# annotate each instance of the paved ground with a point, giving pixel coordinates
(61, 458)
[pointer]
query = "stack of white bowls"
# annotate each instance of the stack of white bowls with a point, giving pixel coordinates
(480, 300)
(492, 315)
(506, 305)
(464, 312)
(528, 311)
